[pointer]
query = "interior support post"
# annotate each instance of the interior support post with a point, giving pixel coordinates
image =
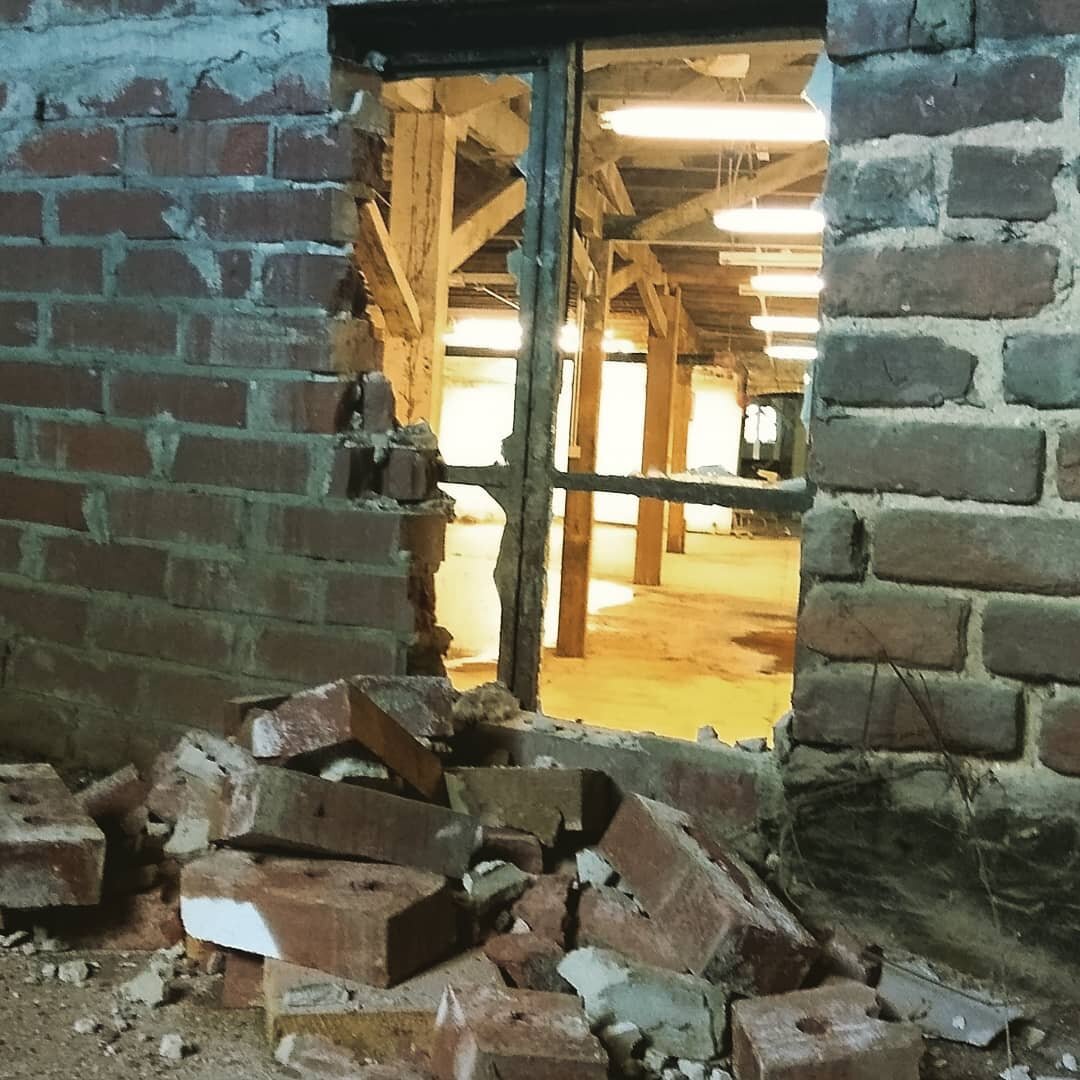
(661, 366)
(681, 411)
(578, 518)
(421, 228)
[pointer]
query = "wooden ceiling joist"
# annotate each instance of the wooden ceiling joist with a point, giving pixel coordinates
(463, 93)
(497, 128)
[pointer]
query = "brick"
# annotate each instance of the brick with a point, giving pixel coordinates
(190, 781)
(349, 534)
(942, 95)
(141, 922)
(316, 656)
(891, 193)
(178, 516)
(59, 151)
(36, 726)
(249, 464)
(874, 709)
(114, 796)
(903, 626)
(121, 568)
(194, 400)
(545, 906)
(961, 280)
(316, 719)
(18, 323)
(246, 586)
(990, 464)
(32, 612)
(175, 696)
(987, 182)
(543, 802)
(320, 406)
(377, 403)
(984, 551)
(70, 676)
(138, 215)
(816, 1034)
(200, 275)
(410, 475)
(35, 269)
(721, 921)
(287, 810)
(1037, 639)
(242, 986)
(376, 924)
(833, 543)
(51, 853)
(394, 1025)
(380, 601)
(528, 961)
(422, 704)
(859, 28)
(1043, 370)
(609, 919)
(1059, 734)
(893, 370)
(318, 151)
(330, 282)
(121, 328)
(283, 344)
(517, 848)
(141, 96)
(515, 1035)
(91, 448)
(7, 436)
(199, 149)
(1034, 18)
(1068, 464)
(44, 502)
(162, 633)
(50, 386)
(315, 214)
(311, 1055)
(20, 213)
(281, 93)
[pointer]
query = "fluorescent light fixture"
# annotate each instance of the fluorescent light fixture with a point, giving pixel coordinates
(771, 221)
(787, 284)
(788, 260)
(805, 353)
(785, 324)
(718, 123)
(503, 334)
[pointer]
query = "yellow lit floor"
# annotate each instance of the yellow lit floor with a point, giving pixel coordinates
(713, 645)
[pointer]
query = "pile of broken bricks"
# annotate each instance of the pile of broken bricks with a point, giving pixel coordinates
(399, 913)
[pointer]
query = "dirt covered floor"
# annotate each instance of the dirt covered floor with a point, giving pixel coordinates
(713, 645)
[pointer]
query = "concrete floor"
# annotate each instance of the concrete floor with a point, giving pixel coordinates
(713, 645)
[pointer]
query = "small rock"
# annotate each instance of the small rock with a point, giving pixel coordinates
(1016, 1072)
(1033, 1037)
(594, 869)
(48, 971)
(707, 734)
(74, 972)
(28, 948)
(173, 1048)
(1068, 1061)
(87, 1025)
(150, 987)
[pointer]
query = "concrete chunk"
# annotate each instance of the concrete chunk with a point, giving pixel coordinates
(51, 853)
(514, 1035)
(277, 808)
(820, 1035)
(543, 802)
(719, 918)
(377, 924)
(375, 1024)
(681, 1015)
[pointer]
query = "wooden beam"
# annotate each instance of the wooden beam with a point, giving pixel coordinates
(385, 276)
(654, 307)
(681, 412)
(585, 426)
(409, 95)
(462, 93)
(623, 279)
(486, 221)
(767, 181)
(656, 443)
(581, 265)
(497, 128)
(421, 218)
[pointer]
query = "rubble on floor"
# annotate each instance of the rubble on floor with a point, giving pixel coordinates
(399, 910)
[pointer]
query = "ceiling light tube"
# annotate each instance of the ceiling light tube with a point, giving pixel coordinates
(791, 260)
(785, 324)
(718, 123)
(771, 221)
(804, 353)
(787, 284)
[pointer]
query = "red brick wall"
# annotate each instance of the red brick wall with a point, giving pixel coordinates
(182, 349)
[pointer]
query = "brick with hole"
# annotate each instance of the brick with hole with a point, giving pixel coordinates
(375, 924)
(51, 853)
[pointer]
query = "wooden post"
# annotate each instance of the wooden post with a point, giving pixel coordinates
(421, 227)
(656, 445)
(578, 518)
(681, 411)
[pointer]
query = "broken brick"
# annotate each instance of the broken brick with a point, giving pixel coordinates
(821, 1034)
(609, 919)
(375, 1024)
(514, 1035)
(242, 986)
(513, 846)
(51, 853)
(545, 907)
(236, 709)
(377, 924)
(422, 704)
(278, 808)
(529, 961)
(719, 918)
(410, 475)
(539, 801)
(113, 797)
(319, 1059)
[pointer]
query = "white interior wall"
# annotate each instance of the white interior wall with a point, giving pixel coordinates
(478, 408)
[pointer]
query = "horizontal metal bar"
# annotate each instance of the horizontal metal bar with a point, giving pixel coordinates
(486, 476)
(685, 359)
(734, 492)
